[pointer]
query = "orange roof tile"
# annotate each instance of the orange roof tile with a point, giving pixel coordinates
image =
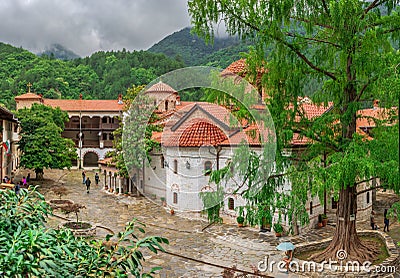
(27, 96)
(106, 161)
(161, 87)
(366, 116)
(85, 105)
(198, 132)
(238, 67)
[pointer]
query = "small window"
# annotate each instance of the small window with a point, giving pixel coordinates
(162, 162)
(104, 120)
(231, 204)
(367, 197)
(334, 203)
(311, 208)
(104, 136)
(175, 166)
(175, 198)
(111, 136)
(207, 168)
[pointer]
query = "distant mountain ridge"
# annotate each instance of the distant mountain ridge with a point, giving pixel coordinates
(194, 51)
(60, 52)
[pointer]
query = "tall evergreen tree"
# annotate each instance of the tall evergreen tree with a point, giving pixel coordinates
(345, 45)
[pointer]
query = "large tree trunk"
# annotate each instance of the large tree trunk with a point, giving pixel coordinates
(39, 174)
(345, 236)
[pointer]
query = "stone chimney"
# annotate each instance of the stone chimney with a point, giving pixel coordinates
(80, 96)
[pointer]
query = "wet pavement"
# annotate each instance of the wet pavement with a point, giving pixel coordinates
(192, 252)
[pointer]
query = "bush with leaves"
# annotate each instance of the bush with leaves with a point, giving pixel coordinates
(28, 249)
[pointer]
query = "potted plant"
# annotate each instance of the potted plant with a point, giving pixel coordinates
(164, 203)
(240, 220)
(319, 220)
(172, 211)
(324, 220)
(278, 229)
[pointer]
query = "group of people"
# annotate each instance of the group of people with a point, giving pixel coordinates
(88, 182)
(374, 226)
(18, 185)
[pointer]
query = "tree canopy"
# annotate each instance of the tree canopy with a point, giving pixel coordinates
(347, 48)
(103, 75)
(29, 249)
(41, 143)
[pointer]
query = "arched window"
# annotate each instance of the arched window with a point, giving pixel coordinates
(367, 197)
(231, 204)
(162, 161)
(166, 105)
(207, 168)
(175, 198)
(175, 166)
(311, 208)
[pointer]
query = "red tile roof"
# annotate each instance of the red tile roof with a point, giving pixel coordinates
(196, 133)
(28, 96)
(366, 116)
(161, 87)
(238, 67)
(106, 161)
(85, 105)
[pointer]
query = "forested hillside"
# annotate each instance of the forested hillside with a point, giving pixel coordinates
(194, 51)
(103, 75)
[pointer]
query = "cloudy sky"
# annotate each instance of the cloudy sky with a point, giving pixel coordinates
(86, 26)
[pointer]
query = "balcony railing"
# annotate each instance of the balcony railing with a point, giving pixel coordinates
(84, 126)
(110, 126)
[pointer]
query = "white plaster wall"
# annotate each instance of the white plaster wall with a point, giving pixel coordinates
(155, 177)
(187, 182)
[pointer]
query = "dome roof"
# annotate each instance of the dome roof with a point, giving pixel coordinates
(238, 67)
(198, 133)
(161, 87)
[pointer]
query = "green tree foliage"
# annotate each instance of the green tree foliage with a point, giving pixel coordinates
(103, 75)
(345, 48)
(28, 249)
(118, 70)
(195, 51)
(138, 137)
(41, 143)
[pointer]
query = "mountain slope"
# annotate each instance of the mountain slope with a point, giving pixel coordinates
(59, 52)
(193, 50)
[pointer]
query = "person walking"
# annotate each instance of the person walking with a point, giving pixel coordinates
(88, 182)
(24, 181)
(17, 187)
(97, 178)
(372, 221)
(83, 177)
(28, 178)
(385, 220)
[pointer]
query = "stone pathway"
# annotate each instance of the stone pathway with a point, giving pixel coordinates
(191, 252)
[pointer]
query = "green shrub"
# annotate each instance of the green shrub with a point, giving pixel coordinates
(28, 249)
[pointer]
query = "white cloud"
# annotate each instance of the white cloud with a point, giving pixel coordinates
(86, 26)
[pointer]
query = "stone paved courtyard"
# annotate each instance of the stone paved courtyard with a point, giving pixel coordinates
(191, 252)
